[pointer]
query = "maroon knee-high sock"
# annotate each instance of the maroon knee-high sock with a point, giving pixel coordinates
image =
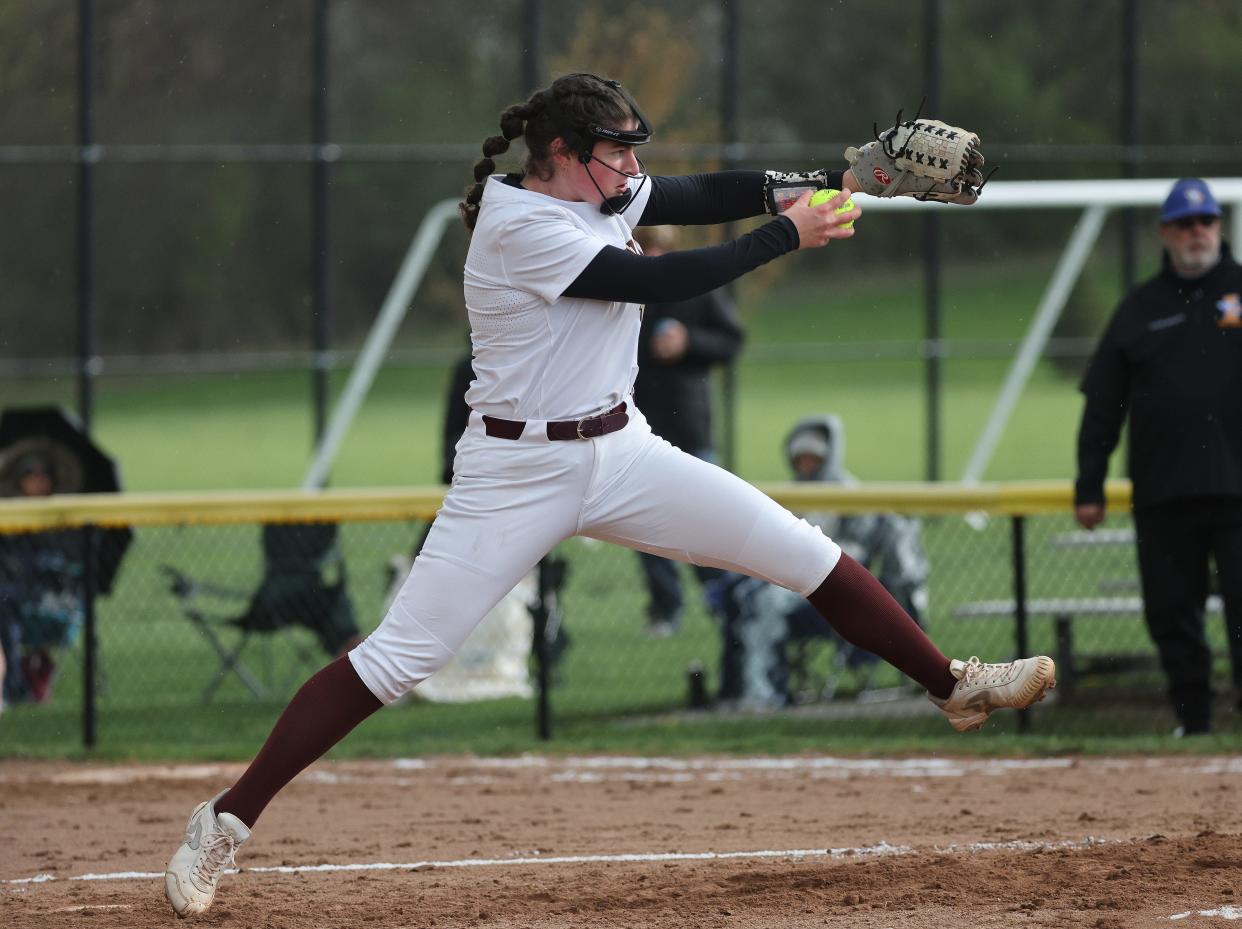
(320, 714)
(858, 607)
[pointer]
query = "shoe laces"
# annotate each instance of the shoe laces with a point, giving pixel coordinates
(217, 854)
(978, 674)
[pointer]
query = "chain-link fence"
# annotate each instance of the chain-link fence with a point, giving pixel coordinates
(218, 614)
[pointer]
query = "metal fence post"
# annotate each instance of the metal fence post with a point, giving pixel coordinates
(86, 213)
(532, 33)
(1019, 603)
(86, 330)
(547, 617)
(543, 678)
(89, 644)
(1129, 132)
(321, 218)
(730, 110)
(932, 259)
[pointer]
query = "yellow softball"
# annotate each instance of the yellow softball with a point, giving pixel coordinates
(823, 196)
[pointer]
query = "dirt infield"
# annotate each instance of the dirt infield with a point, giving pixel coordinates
(679, 843)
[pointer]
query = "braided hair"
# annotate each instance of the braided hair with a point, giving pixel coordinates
(558, 111)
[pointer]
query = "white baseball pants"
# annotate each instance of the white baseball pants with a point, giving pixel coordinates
(512, 501)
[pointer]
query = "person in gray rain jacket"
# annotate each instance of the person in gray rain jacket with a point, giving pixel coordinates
(761, 619)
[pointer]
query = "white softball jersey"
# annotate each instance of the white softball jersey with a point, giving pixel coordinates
(541, 357)
(538, 355)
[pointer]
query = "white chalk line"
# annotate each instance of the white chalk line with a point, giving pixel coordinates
(882, 849)
(1224, 912)
(482, 771)
(1227, 912)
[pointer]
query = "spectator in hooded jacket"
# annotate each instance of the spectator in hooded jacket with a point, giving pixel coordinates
(761, 619)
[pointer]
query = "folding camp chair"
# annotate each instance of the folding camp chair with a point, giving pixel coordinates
(303, 586)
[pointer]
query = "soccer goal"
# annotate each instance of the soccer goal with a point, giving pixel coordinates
(1093, 199)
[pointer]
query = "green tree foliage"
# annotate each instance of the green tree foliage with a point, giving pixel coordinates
(216, 257)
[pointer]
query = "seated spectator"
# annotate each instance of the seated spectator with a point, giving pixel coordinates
(40, 591)
(761, 619)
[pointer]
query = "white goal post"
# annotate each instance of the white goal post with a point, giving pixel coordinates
(1095, 199)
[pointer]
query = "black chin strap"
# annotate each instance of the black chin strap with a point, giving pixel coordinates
(615, 206)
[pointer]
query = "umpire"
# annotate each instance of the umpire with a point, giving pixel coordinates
(1171, 358)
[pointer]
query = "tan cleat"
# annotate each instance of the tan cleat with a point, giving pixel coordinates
(206, 852)
(982, 688)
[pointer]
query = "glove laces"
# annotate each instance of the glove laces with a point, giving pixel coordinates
(217, 854)
(978, 674)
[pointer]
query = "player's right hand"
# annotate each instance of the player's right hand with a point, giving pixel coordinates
(818, 225)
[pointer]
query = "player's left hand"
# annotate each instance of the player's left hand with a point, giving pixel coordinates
(921, 158)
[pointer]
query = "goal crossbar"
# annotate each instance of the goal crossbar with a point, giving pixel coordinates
(1095, 198)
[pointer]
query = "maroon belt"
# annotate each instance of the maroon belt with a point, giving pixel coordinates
(589, 428)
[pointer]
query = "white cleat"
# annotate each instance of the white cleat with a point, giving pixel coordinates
(982, 688)
(206, 852)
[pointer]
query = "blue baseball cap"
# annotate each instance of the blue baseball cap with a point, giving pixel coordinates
(1189, 197)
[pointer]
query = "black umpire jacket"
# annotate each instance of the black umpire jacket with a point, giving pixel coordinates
(676, 397)
(1171, 357)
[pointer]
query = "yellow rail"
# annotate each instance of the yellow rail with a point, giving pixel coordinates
(1012, 498)
(219, 507)
(421, 503)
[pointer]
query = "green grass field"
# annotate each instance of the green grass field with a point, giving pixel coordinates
(254, 430)
(615, 690)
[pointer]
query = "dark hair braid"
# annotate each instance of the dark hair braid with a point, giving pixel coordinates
(557, 111)
(512, 124)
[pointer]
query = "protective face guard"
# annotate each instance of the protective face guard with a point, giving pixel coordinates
(615, 206)
(639, 136)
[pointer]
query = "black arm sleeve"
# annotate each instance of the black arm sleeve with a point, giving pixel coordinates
(620, 276)
(704, 199)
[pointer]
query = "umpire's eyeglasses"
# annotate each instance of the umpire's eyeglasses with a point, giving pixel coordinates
(1189, 222)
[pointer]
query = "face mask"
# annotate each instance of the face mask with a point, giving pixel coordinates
(615, 206)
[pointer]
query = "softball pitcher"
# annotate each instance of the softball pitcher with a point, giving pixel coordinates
(554, 448)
